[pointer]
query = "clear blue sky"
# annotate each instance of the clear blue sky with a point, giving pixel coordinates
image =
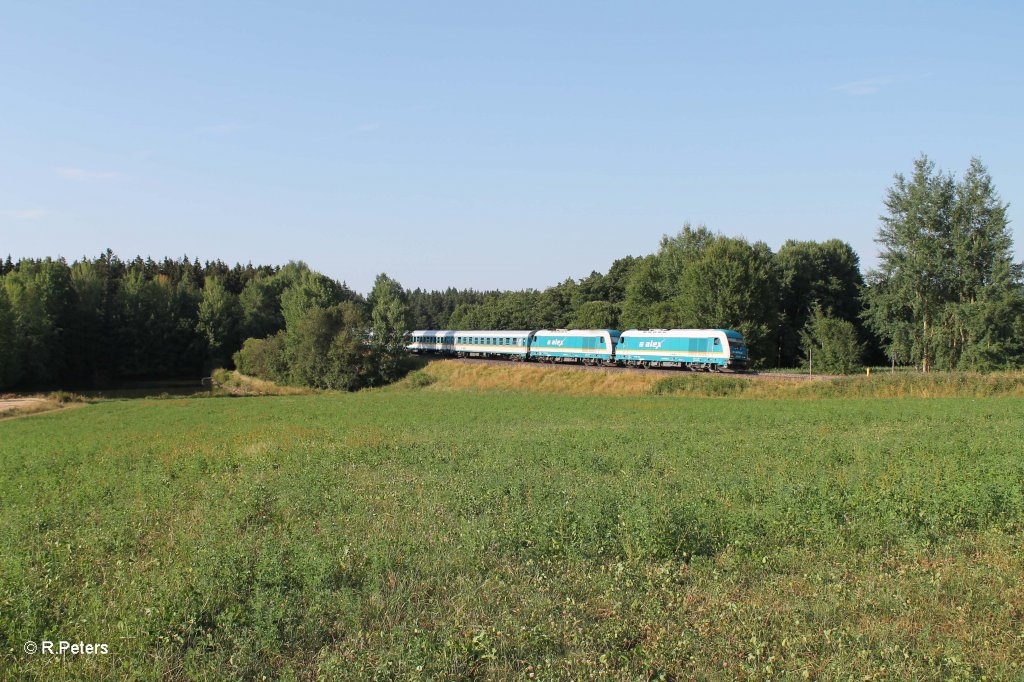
(486, 145)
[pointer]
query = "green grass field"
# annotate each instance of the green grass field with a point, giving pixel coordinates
(462, 534)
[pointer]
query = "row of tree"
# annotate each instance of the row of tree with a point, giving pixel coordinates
(330, 339)
(947, 294)
(103, 321)
(696, 279)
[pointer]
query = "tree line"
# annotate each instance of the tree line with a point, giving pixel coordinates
(104, 321)
(947, 294)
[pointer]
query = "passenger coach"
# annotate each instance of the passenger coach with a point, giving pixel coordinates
(480, 343)
(690, 348)
(589, 346)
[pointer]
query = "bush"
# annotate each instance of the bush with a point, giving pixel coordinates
(420, 379)
(263, 358)
(831, 345)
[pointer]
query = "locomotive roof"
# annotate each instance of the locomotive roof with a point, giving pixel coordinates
(612, 332)
(685, 333)
(495, 332)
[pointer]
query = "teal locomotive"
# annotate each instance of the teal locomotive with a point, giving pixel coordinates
(695, 349)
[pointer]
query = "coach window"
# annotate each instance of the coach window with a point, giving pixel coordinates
(718, 342)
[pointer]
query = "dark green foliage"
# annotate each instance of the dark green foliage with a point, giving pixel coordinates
(220, 321)
(260, 301)
(830, 344)
(264, 358)
(529, 309)
(100, 321)
(826, 274)
(8, 345)
(158, 322)
(40, 297)
(433, 309)
(389, 317)
(596, 315)
(327, 349)
(947, 293)
(329, 341)
(307, 289)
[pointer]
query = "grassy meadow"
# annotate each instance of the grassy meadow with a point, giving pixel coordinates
(461, 526)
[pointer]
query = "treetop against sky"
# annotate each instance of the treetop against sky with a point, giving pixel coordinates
(485, 146)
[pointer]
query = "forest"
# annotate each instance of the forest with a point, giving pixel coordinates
(947, 295)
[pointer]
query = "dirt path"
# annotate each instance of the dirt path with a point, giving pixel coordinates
(11, 403)
(11, 408)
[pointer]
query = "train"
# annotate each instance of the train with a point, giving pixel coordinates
(693, 349)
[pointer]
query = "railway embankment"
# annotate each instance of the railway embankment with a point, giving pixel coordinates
(484, 375)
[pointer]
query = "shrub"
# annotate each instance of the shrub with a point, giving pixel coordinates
(420, 379)
(830, 344)
(263, 358)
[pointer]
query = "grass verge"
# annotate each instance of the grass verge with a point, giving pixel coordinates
(448, 375)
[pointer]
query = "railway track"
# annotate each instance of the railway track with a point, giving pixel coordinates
(661, 371)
